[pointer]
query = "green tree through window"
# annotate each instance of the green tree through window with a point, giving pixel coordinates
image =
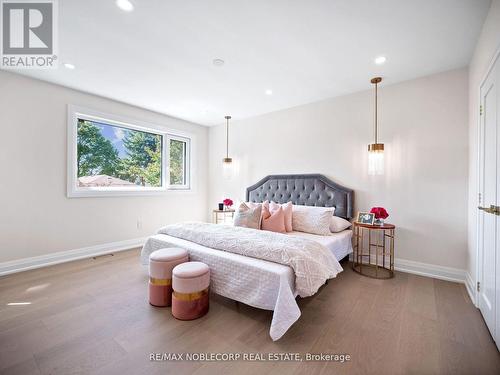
(95, 154)
(123, 157)
(177, 162)
(143, 162)
(111, 155)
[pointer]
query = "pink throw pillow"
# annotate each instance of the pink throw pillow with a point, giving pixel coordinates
(287, 209)
(273, 221)
(265, 205)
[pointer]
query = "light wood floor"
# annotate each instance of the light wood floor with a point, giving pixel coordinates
(92, 316)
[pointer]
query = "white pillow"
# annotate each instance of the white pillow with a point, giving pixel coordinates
(309, 219)
(337, 224)
(252, 204)
(247, 217)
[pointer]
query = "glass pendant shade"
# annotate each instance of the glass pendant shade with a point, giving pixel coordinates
(227, 169)
(376, 159)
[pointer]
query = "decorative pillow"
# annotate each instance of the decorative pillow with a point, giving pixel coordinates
(273, 221)
(315, 220)
(287, 209)
(337, 224)
(264, 205)
(247, 217)
(253, 204)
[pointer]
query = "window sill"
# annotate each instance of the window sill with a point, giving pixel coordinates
(95, 193)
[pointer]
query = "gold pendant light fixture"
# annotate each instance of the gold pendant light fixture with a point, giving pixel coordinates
(227, 162)
(227, 159)
(376, 150)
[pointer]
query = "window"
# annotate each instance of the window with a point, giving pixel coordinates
(179, 151)
(108, 156)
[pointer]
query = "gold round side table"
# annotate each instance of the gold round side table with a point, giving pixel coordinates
(373, 252)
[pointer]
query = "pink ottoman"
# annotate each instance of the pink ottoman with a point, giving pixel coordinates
(190, 282)
(161, 264)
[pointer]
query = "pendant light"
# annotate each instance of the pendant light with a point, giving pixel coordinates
(376, 150)
(227, 162)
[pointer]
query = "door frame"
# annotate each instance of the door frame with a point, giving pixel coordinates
(479, 178)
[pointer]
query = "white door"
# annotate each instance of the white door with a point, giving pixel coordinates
(489, 221)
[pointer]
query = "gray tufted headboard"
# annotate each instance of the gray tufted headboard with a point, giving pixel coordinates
(303, 189)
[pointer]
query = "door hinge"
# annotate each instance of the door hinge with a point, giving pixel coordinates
(480, 110)
(478, 286)
(479, 197)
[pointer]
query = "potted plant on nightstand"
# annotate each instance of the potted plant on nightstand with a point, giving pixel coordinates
(380, 215)
(227, 203)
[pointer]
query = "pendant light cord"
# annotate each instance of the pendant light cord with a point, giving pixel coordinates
(227, 137)
(376, 105)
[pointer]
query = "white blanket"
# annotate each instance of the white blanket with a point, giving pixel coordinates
(255, 282)
(311, 262)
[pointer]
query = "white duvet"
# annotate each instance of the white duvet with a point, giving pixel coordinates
(311, 262)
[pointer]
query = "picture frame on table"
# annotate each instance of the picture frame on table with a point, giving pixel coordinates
(365, 218)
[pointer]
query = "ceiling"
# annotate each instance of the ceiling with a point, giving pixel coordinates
(160, 55)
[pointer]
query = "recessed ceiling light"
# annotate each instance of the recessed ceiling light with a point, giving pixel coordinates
(69, 66)
(269, 92)
(218, 62)
(125, 5)
(380, 60)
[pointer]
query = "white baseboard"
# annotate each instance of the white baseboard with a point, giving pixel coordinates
(25, 264)
(430, 270)
(439, 272)
(427, 269)
(403, 265)
(471, 288)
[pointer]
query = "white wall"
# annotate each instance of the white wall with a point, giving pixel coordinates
(487, 45)
(423, 124)
(36, 218)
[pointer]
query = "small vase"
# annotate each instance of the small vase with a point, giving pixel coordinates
(379, 222)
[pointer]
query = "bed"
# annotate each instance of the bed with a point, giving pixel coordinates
(262, 283)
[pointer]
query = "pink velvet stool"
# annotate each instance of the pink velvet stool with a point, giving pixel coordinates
(190, 282)
(161, 264)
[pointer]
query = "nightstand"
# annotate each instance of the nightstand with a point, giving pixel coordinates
(222, 216)
(373, 252)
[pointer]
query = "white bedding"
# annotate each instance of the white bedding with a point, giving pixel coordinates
(311, 262)
(339, 244)
(259, 283)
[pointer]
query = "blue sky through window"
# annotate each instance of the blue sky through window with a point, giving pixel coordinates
(115, 135)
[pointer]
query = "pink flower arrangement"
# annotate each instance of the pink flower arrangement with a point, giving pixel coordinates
(227, 202)
(380, 213)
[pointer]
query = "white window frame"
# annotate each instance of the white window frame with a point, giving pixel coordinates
(75, 191)
(187, 162)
